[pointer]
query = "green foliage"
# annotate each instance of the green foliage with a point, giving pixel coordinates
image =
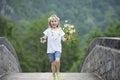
(70, 53)
(113, 30)
(35, 50)
(6, 27)
(95, 33)
(86, 15)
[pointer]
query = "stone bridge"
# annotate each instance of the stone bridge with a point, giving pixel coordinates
(101, 62)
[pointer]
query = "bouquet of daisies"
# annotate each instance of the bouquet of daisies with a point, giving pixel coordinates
(69, 30)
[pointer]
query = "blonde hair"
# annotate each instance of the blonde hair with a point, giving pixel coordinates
(53, 17)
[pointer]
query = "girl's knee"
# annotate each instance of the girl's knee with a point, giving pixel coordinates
(57, 61)
(53, 63)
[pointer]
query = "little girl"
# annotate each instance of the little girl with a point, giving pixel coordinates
(54, 34)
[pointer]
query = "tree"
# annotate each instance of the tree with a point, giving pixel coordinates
(113, 30)
(35, 50)
(95, 33)
(6, 27)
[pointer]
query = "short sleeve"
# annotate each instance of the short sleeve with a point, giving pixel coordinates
(62, 32)
(46, 32)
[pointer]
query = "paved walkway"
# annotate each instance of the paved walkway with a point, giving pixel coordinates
(47, 76)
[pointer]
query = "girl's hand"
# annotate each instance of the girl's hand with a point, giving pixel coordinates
(68, 38)
(42, 40)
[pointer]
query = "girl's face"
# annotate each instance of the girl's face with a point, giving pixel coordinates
(54, 23)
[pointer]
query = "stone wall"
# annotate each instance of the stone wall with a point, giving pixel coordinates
(103, 58)
(8, 58)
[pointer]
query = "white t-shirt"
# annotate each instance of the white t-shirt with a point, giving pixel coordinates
(54, 39)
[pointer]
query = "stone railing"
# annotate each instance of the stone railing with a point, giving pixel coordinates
(103, 58)
(8, 58)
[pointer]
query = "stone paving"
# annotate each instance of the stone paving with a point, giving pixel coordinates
(47, 76)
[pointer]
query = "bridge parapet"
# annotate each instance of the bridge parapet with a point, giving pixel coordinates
(103, 58)
(8, 58)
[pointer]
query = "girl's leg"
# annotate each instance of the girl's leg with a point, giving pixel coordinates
(57, 60)
(58, 65)
(53, 64)
(58, 69)
(53, 67)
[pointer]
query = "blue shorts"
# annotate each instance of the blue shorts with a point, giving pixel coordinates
(53, 56)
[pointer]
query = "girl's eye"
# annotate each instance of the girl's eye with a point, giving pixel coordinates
(54, 21)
